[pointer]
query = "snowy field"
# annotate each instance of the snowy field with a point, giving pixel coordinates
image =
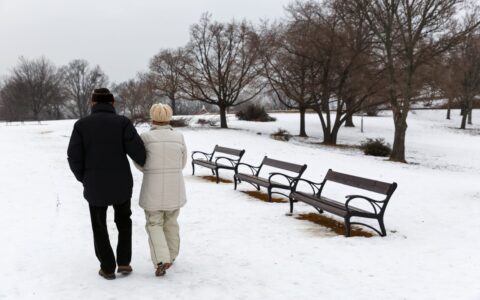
(236, 247)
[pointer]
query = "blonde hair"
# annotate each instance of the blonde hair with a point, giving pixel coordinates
(161, 113)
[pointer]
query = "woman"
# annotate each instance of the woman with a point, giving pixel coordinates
(163, 189)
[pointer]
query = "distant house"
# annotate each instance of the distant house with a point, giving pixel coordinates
(203, 111)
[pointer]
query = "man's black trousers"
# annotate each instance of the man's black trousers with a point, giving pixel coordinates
(103, 249)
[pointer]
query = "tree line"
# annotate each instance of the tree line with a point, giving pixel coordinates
(335, 58)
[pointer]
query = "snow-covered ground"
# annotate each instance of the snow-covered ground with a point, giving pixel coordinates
(236, 247)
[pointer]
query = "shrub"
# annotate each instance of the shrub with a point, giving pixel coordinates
(372, 111)
(281, 135)
(180, 122)
(210, 122)
(376, 147)
(254, 112)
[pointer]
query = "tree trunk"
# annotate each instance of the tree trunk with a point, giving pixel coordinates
(223, 117)
(330, 138)
(303, 133)
(465, 113)
(463, 125)
(449, 108)
(398, 150)
(36, 116)
(325, 106)
(349, 121)
(349, 114)
(470, 116)
(174, 104)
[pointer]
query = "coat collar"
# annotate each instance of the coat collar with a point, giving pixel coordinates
(157, 127)
(103, 107)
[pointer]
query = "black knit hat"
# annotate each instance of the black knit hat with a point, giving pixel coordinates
(102, 95)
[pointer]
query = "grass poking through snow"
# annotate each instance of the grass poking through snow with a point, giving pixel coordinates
(334, 225)
(214, 179)
(264, 197)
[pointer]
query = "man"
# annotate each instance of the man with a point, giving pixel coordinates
(97, 155)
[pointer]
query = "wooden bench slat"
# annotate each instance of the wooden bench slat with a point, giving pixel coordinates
(209, 164)
(259, 180)
(230, 151)
(359, 182)
(283, 165)
(327, 204)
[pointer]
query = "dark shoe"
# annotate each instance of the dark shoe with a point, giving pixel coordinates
(110, 276)
(124, 270)
(161, 269)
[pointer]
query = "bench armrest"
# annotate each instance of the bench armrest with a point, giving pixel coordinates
(374, 203)
(207, 155)
(314, 185)
(232, 161)
(273, 174)
(253, 169)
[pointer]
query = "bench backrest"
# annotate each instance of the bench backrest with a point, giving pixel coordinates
(229, 151)
(360, 182)
(371, 185)
(299, 169)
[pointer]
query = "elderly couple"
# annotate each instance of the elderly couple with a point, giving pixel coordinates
(97, 155)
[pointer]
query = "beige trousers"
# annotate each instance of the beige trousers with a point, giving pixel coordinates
(163, 235)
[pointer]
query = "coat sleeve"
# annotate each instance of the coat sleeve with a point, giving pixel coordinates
(140, 168)
(133, 144)
(76, 155)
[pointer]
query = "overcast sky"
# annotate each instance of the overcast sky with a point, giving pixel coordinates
(119, 35)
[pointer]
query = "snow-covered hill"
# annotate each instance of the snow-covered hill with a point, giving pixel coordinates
(236, 247)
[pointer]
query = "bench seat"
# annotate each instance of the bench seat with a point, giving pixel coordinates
(326, 204)
(212, 165)
(260, 181)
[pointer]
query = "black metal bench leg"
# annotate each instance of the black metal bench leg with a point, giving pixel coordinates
(218, 179)
(382, 227)
(269, 194)
(193, 169)
(347, 226)
(234, 182)
(291, 206)
(213, 172)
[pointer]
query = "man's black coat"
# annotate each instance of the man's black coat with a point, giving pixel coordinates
(97, 155)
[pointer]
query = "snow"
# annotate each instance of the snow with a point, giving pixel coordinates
(236, 247)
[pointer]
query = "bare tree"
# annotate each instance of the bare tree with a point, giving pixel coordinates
(464, 63)
(12, 108)
(37, 83)
(166, 66)
(79, 81)
(291, 77)
(137, 96)
(222, 64)
(409, 34)
(337, 44)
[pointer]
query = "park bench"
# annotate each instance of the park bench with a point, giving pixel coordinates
(215, 163)
(346, 209)
(268, 182)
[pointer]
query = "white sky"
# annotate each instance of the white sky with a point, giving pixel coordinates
(119, 35)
